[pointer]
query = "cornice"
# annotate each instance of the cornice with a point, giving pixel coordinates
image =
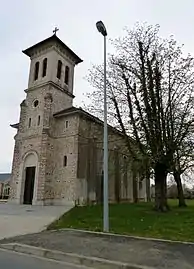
(49, 83)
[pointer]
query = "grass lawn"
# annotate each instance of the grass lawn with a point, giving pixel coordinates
(134, 219)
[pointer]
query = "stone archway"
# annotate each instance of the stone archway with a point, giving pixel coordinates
(29, 178)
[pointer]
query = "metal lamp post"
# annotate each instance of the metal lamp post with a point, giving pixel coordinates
(102, 29)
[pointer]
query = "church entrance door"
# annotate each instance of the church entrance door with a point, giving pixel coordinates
(29, 184)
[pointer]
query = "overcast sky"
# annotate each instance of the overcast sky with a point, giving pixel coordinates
(26, 22)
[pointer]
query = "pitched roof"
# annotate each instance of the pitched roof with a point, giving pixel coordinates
(52, 38)
(4, 176)
(73, 110)
(66, 111)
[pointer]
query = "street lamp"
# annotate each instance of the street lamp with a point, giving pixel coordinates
(102, 29)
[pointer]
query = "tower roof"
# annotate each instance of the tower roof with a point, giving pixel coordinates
(52, 39)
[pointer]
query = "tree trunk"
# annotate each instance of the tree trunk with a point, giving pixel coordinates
(160, 188)
(135, 193)
(177, 178)
(148, 195)
(117, 176)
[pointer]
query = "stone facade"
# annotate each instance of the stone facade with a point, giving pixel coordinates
(90, 163)
(63, 144)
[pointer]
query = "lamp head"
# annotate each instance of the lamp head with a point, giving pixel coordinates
(101, 28)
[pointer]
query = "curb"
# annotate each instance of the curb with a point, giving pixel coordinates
(71, 258)
(123, 236)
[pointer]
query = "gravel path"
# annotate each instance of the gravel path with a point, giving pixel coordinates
(152, 253)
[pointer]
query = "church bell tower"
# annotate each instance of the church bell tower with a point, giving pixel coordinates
(50, 90)
(53, 63)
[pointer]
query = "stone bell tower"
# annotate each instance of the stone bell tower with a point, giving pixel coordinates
(50, 89)
(52, 63)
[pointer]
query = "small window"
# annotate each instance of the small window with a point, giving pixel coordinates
(140, 185)
(67, 75)
(38, 120)
(65, 161)
(36, 70)
(59, 68)
(29, 122)
(44, 67)
(36, 103)
(8, 191)
(66, 124)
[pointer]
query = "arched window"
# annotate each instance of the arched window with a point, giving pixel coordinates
(59, 68)
(65, 160)
(44, 67)
(29, 122)
(36, 70)
(7, 190)
(35, 103)
(38, 120)
(67, 75)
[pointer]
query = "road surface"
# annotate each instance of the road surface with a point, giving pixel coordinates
(14, 260)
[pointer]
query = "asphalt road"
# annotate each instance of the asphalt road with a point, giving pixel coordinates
(13, 260)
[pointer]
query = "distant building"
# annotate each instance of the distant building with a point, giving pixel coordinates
(4, 185)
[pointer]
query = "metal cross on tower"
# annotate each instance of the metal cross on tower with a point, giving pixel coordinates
(55, 31)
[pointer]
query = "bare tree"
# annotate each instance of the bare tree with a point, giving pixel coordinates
(183, 163)
(150, 99)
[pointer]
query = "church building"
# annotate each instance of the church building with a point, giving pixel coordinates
(58, 153)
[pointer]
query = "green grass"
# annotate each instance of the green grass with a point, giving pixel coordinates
(134, 219)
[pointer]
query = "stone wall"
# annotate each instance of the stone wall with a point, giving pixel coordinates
(61, 180)
(90, 165)
(36, 138)
(23, 147)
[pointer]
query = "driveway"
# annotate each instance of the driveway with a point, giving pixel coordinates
(24, 219)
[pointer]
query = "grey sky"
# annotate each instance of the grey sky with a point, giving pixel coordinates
(25, 22)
